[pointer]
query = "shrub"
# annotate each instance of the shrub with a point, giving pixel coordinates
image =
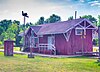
(95, 42)
(0, 43)
(1, 47)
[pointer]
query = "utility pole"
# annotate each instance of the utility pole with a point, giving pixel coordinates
(24, 15)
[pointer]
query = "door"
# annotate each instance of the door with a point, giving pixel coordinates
(50, 42)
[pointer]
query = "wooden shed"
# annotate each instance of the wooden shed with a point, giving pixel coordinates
(63, 38)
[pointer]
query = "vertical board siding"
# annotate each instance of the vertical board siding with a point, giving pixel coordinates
(74, 44)
(70, 47)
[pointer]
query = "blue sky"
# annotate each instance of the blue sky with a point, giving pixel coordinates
(11, 9)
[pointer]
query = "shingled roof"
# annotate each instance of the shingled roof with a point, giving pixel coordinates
(57, 28)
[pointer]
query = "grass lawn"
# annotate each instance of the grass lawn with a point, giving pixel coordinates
(20, 63)
(15, 48)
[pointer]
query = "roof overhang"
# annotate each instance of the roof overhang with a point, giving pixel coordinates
(95, 28)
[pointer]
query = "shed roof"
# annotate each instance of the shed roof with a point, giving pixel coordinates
(58, 27)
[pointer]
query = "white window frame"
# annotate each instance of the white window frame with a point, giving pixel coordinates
(40, 35)
(32, 44)
(83, 30)
(37, 42)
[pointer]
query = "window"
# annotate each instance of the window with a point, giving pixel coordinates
(40, 35)
(35, 42)
(32, 33)
(80, 31)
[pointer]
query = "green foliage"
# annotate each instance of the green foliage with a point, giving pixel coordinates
(5, 24)
(52, 19)
(9, 29)
(0, 43)
(98, 20)
(1, 47)
(28, 25)
(16, 48)
(70, 18)
(10, 33)
(40, 21)
(21, 41)
(95, 42)
(91, 18)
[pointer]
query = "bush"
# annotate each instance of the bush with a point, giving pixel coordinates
(95, 42)
(0, 43)
(1, 47)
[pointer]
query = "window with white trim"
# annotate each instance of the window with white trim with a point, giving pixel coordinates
(35, 42)
(32, 33)
(40, 35)
(80, 31)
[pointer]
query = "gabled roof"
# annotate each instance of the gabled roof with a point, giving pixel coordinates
(36, 28)
(22, 33)
(58, 27)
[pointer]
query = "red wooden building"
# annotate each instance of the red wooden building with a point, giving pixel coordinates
(64, 38)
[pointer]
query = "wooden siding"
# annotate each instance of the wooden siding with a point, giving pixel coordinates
(74, 44)
(44, 40)
(27, 41)
(70, 47)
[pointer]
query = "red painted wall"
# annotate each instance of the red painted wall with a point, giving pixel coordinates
(42, 40)
(74, 44)
(28, 39)
(71, 47)
(8, 48)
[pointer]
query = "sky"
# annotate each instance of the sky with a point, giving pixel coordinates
(11, 9)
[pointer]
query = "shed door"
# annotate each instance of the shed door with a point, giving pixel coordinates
(50, 42)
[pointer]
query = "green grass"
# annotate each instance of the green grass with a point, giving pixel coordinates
(15, 48)
(20, 63)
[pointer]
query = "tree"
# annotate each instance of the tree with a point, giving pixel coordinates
(5, 24)
(40, 21)
(28, 25)
(9, 34)
(70, 18)
(53, 18)
(1, 30)
(91, 18)
(98, 20)
(16, 22)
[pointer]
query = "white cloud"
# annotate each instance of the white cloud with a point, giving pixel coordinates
(37, 8)
(94, 3)
(82, 0)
